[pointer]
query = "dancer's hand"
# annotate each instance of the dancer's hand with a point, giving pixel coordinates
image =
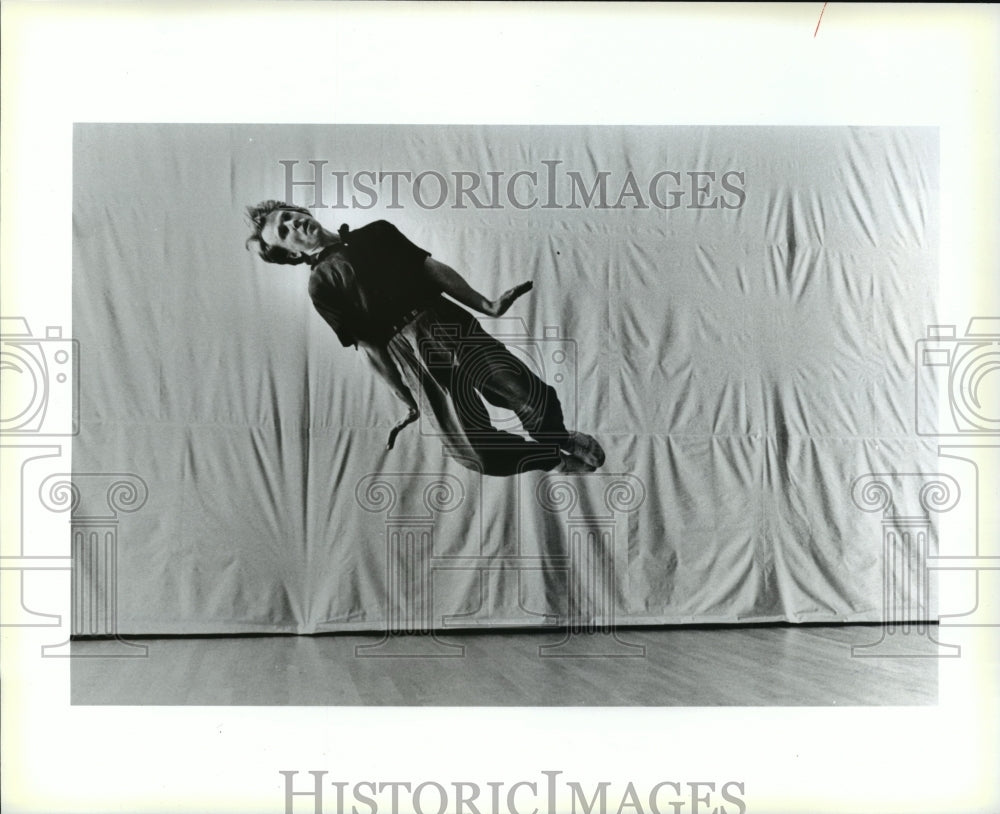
(411, 416)
(502, 303)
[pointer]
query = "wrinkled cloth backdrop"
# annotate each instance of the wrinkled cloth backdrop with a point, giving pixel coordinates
(741, 367)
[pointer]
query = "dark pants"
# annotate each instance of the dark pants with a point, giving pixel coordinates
(458, 358)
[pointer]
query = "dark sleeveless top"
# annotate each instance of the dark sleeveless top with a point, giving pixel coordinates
(367, 286)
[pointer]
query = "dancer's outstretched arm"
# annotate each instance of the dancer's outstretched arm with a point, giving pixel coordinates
(386, 369)
(454, 285)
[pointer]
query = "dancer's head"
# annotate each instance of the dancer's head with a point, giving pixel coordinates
(286, 234)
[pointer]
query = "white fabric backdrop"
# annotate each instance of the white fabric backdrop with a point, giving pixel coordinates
(742, 367)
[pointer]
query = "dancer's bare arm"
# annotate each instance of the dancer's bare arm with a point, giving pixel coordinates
(455, 286)
(386, 369)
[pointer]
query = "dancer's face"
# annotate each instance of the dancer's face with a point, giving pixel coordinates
(295, 232)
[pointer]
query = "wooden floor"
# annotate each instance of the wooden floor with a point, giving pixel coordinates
(780, 665)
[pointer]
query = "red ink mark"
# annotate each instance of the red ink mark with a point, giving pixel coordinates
(819, 20)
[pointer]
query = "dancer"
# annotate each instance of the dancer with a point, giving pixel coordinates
(381, 293)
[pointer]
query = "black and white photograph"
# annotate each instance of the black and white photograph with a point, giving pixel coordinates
(412, 381)
(649, 446)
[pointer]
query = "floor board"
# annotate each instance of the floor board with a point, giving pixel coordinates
(779, 665)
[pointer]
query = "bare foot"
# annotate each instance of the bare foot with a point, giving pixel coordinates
(584, 447)
(571, 465)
